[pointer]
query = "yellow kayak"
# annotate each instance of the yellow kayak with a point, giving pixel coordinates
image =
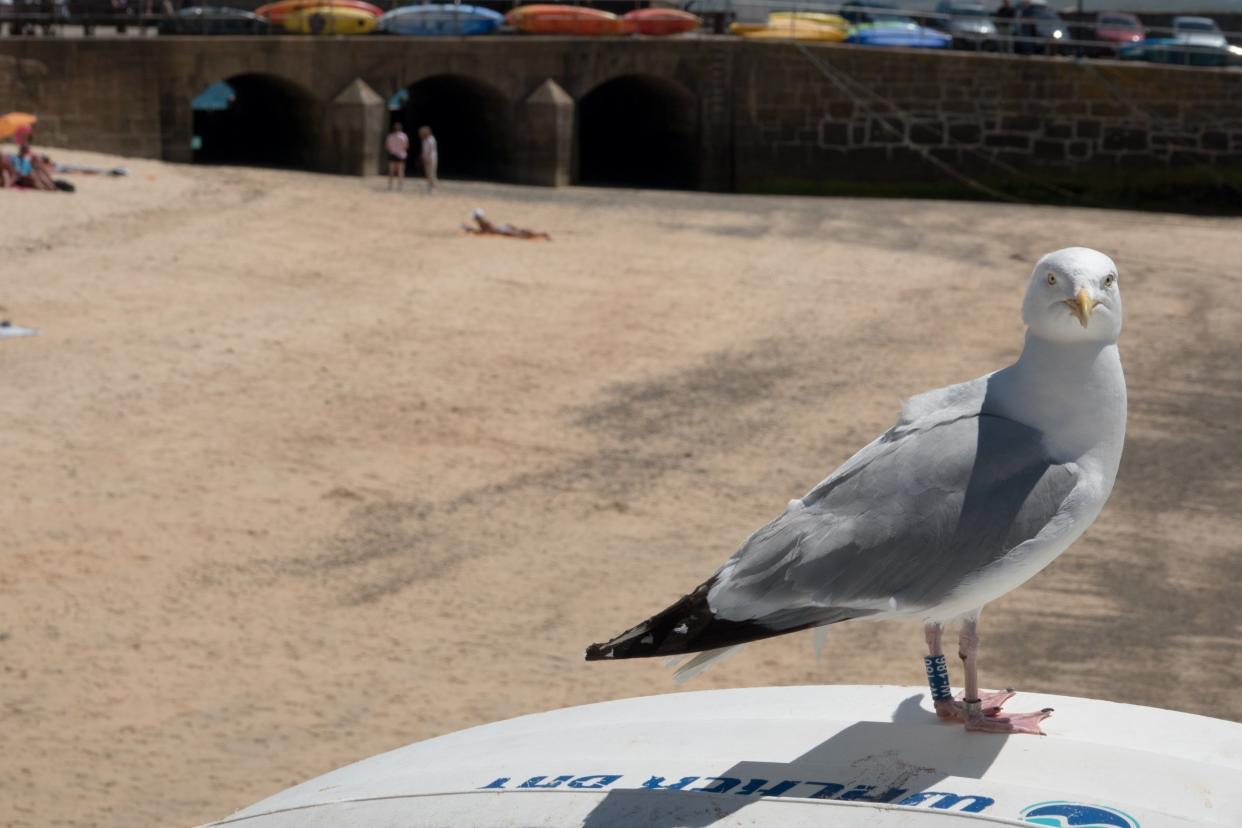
(791, 30)
(330, 20)
(796, 26)
(778, 18)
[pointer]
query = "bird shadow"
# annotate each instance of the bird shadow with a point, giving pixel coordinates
(865, 762)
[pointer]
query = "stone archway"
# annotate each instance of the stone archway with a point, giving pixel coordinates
(638, 131)
(472, 122)
(256, 119)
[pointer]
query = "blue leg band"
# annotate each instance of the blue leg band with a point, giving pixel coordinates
(938, 677)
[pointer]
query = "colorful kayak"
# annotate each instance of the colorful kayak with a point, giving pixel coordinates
(277, 12)
(440, 20)
(791, 30)
(330, 20)
(1175, 51)
(823, 19)
(910, 35)
(659, 22)
(545, 18)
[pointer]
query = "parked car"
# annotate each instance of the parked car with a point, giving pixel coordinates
(1114, 30)
(1198, 31)
(879, 24)
(968, 23)
(1038, 28)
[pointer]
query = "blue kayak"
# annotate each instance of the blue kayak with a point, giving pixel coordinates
(1174, 51)
(440, 20)
(898, 34)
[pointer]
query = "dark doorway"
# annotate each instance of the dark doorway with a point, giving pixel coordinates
(637, 131)
(258, 120)
(472, 123)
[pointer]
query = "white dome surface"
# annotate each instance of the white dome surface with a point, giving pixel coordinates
(839, 756)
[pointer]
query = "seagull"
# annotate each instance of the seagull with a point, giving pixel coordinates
(8, 329)
(977, 487)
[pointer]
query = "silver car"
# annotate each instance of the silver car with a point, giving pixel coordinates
(1198, 31)
(968, 23)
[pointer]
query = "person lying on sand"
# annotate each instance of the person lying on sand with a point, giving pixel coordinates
(486, 228)
(80, 169)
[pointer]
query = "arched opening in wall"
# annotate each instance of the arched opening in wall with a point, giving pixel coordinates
(638, 131)
(471, 121)
(258, 120)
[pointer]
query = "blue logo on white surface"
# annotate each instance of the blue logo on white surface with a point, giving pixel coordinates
(747, 786)
(1076, 815)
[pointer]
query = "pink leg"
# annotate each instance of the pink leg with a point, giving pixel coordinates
(973, 710)
(951, 709)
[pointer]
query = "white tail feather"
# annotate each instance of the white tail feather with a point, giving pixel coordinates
(701, 661)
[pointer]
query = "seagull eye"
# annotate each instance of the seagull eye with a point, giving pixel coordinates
(1108, 280)
(1052, 278)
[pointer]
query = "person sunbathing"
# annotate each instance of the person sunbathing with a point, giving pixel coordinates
(31, 170)
(41, 169)
(487, 228)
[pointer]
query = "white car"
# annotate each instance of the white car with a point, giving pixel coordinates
(1198, 31)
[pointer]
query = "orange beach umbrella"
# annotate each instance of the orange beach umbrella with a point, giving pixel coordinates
(11, 123)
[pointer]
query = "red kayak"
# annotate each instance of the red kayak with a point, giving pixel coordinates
(661, 21)
(277, 12)
(546, 18)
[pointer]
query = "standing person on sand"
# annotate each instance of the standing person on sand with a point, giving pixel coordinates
(431, 156)
(397, 144)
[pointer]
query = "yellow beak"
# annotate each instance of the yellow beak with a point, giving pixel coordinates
(1081, 306)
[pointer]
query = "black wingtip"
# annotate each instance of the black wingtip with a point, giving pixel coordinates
(690, 626)
(667, 633)
(598, 652)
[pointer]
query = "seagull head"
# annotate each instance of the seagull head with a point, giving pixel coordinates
(1074, 296)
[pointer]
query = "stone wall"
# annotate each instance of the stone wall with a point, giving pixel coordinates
(859, 115)
(87, 97)
(768, 116)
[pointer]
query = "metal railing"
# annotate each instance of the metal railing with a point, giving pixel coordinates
(1016, 35)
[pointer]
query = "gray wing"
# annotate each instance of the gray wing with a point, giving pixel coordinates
(907, 521)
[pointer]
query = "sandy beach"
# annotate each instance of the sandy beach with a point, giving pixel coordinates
(298, 472)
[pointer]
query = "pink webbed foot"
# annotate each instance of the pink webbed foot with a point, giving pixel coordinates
(1008, 722)
(990, 702)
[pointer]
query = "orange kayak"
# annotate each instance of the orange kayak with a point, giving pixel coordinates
(546, 18)
(277, 12)
(661, 21)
